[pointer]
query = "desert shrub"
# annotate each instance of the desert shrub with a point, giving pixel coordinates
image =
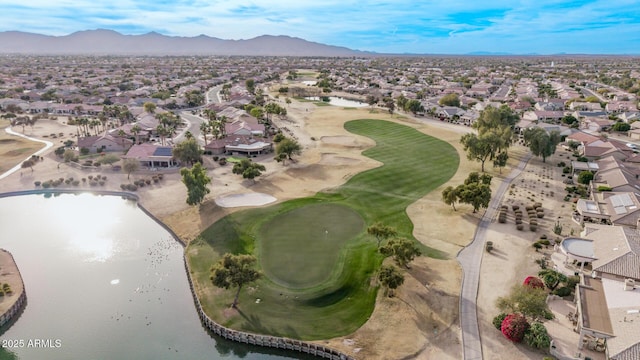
(147, 181)
(572, 281)
(533, 221)
(502, 219)
(123, 186)
(563, 291)
(222, 161)
(46, 185)
(566, 170)
(520, 227)
(515, 207)
(101, 182)
(498, 319)
(562, 164)
(604, 188)
(533, 227)
(215, 158)
(536, 245)
(37, 183)
(543, 237)
(533, 282)
(544, 242)
(529, 208)
(540, 214)
(537, 337)
(93, 183)
(518, 221)
(76, 182)
(514, 326)
(132, 187)
(489, 246)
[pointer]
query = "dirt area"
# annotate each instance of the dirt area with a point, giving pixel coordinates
(9, 274)
(539, 182)
(421, 321)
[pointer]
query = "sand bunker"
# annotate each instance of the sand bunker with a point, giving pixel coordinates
(333, 159)
(250, 199)
(340, 140)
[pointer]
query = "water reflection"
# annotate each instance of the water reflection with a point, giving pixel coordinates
(107, 281)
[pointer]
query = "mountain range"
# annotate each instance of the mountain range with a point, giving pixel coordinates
(109, 42)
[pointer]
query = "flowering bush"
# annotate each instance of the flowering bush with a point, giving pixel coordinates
(534, 282)
(514, 326)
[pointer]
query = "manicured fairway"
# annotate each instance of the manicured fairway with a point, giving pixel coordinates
(317, 286)
(300, 248)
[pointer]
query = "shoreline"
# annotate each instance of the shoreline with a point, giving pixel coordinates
(13, 277)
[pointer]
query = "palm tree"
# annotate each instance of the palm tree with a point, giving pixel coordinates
(122, 135)
(222, 122)
(204, 128)
(135, 129)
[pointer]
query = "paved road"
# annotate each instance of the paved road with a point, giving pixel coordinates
(470, 258)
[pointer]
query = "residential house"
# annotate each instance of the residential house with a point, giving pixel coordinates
(238, 144)
(608, 301)
(104, 143)
(152, 156)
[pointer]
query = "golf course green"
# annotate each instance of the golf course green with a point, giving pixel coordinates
(314, 253)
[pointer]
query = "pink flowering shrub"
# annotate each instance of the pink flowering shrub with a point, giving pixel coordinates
(514, 326)
(534, 282)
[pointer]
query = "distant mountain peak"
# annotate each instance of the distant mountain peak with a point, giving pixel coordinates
(104, 41)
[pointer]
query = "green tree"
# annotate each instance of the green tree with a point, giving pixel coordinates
(414, 106)
(234, 271)
(569, 120)
(381, 232)
(526, 300)
(540, 142)
(205, 129)
(552, 278)
(450, 100)
(481, 147)
(621, 126)
(248, 169)
(196, 181)
(250, 84)
(391, 278)
(475, 194)
(585, 177)
(129, 166)
(286, 148)
(500, 160)
(188, 151)
(402, 250)
(450, 196)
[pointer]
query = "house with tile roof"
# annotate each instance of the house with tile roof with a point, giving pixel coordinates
(152, 156)
(608, 301)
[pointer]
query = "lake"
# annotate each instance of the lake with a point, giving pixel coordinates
(104, 281)
(338, 101)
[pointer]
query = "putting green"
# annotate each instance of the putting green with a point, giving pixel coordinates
(301, 248)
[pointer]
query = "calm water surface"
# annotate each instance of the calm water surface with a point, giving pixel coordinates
(104, 281)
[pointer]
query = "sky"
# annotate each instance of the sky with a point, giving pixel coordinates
(395, 27)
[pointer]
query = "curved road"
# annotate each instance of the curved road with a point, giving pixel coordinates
(470, 259)
(47, 144)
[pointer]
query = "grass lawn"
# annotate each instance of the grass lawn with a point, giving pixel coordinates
(311, 289)
(300, 248)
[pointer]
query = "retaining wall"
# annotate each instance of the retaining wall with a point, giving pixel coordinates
(17, 306)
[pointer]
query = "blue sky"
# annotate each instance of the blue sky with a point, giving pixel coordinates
(423, 26)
